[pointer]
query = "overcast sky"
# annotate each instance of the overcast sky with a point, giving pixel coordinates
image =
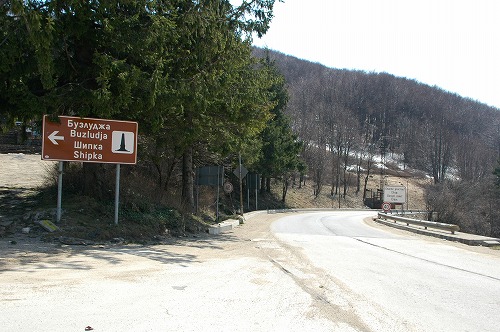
(453, 44)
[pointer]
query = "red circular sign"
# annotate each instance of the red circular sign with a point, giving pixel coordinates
(386, 206)
(228, 187)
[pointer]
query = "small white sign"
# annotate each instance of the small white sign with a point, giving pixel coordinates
(395, 194)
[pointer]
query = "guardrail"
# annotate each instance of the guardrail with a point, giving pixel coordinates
(427, 224)
(273, 211)
(403, 212)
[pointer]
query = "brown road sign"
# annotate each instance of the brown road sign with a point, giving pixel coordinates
(89, 140)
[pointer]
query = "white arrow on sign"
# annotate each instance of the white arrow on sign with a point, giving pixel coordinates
(53, 138)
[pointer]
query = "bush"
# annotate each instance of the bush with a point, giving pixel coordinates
(471, 205)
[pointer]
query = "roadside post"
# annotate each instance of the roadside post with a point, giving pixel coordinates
(59, 190)
(240, 173)
(253, 183)
(90, 140)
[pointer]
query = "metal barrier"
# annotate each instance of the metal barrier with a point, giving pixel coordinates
(431, 224)
(314, 210)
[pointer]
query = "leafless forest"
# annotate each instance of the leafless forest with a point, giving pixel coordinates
(347, 119)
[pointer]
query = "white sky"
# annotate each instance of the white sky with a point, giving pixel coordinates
(453, 44)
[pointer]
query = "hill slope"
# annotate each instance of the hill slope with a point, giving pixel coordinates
(426, 126)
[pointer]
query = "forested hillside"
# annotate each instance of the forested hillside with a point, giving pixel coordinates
(346, 118)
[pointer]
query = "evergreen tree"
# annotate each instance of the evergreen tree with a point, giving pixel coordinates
(104, 59)
(280, 146)
(219, 93)
(182, 68)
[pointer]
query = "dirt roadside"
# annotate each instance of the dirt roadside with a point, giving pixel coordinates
(21, 173)
(20, 250)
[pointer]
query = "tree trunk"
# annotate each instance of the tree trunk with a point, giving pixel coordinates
(366, 179)
(187, 181)
(358, 174)
(337, 180)
(94, 181)
(285, 188)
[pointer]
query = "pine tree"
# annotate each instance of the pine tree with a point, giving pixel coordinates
(182, 69)
(280, 146)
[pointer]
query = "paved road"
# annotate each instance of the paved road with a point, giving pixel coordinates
(312, 272)
(397, 282)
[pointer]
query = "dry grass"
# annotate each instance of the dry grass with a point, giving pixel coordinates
(304, 197)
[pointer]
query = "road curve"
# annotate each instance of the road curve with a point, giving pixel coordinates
(389, 281)
(311, 272)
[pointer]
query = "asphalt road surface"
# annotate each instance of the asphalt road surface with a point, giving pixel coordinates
(328, 271)
(396, 282)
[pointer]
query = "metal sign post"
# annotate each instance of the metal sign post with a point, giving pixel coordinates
(218, 195)
(117, 192)
(241, 185)
(240, 173)
(59, 192)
